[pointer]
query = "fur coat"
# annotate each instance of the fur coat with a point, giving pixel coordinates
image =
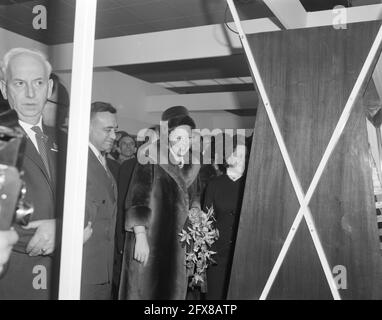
(159, 198)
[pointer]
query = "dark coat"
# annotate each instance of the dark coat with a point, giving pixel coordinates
(25, 271)
(113, 166)
(225, 196)
(125, 174)
(101, 210)
(159, 198)
(124, 178)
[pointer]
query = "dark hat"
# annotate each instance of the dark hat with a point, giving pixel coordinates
(177, 116)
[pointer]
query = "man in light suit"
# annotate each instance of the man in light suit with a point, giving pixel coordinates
(26, 86)
(101, 206)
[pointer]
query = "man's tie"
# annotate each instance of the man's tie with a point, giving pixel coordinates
(102, 159)
(42, 140)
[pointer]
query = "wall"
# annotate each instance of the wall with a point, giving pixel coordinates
(125, 93)
(129, 94)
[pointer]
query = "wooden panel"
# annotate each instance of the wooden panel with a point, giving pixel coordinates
(308, 75)
(282, 288)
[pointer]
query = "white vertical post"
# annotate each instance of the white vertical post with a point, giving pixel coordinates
(77, 153)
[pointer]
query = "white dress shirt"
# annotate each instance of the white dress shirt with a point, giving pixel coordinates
(234, 174)
(31, 134)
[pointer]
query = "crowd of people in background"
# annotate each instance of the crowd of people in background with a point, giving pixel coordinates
(134, 211)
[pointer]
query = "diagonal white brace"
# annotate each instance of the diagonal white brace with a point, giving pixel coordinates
(293, 176)
(371, 58)
(304, 201)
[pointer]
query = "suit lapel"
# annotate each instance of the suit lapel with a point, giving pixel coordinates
(52, 156)
(114, 183)
(106, 175)
(34, 156)
(112, 180)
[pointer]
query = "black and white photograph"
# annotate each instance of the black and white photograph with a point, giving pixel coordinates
(205, 152)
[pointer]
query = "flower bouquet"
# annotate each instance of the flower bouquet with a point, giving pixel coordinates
(198, 235)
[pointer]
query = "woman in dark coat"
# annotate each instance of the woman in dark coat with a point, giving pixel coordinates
(225, 194)
(158, 203)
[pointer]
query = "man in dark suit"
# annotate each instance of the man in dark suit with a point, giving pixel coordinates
(101, 206)
(27, 87)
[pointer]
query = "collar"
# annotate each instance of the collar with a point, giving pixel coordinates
(233, 174)
(123, 158)
(28, 127)
(95, 150)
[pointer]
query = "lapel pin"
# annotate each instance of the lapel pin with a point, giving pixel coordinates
(54, 147)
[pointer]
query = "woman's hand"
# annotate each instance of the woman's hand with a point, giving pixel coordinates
(141, 250)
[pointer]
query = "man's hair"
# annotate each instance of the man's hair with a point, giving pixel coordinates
(56, 81)
(63, 99)
(100, 106)
(127, 136)
(17, 51)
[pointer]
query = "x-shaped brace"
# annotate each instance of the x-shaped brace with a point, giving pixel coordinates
(304, 200)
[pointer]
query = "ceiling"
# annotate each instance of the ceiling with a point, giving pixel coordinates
(173, 74)
(122, 17)
(127, 17)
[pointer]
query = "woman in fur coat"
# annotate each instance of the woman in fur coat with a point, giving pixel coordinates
(160, 197)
